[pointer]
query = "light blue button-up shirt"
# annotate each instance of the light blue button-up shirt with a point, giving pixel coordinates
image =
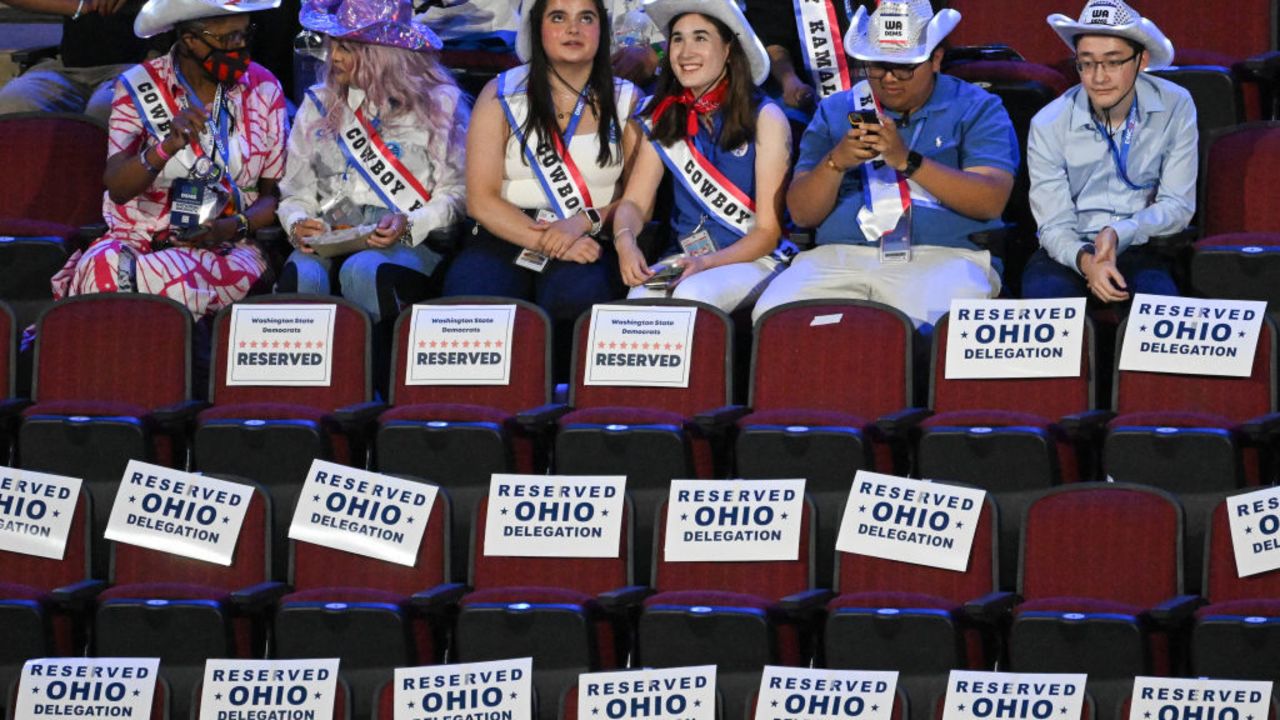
(1076, 190)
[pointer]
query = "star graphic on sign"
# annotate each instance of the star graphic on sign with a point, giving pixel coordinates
(697, 703)
(774, 703)
(613, 345)
(645, 345)
(503, 511)
(595, 711)
(35, 690)
(455, 343)
(964, 334)
(242, 343)
(136, 693)
(432, 343)
(635, 346)
(875, 708)
(960, 708)
(317, 696)
(489, 343)
(132, 498)
(217, 696)
(1145, 714)
(409, 520)
(308, 344)
(679, 346)
(1248, 530)
(513, 696)
(604, 513)
(466, 343)
(319, 344)
(784, 516)
(57, 513)
(1142, 328)
(275, 344)
(1241, 333)
(862, 508)
(226, 520)
(684, 516)
(422, 343)
(1066, 333)
(666, 346)
(411, 705)
(497, 343)
(600, 344)
(315, 498)
(253, 344)
(959, 525)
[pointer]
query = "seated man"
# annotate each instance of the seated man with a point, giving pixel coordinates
(1112, 162)
(97, 45)
(921, 158)
(805, 43)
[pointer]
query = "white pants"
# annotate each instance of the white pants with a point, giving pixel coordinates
(727, 287)
(922, 288)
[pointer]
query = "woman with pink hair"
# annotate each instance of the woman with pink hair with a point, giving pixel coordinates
(378, 147)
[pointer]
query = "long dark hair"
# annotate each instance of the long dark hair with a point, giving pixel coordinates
(542, 111)
(741, 102)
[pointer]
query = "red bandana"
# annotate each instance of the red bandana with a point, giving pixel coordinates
(705, 105)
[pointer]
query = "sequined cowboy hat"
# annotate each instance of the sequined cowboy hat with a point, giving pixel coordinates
(1115, 18)
(380, 22)
(727, 12)
(159, 16)
(904, 32)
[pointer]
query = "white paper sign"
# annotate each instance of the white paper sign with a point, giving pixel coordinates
(682, 693)
(1190, 336)
(246, 689)
(1166, 698)
(554, 516)
(1014, 338)
(86, 687)
(1255, 530)
(290, 345)
(362, 512)
(177, 512)
(36, 511)
(460, 345)
(734, 520)
(795, 693)
(973, 695)
(914, 521)
(498, 689)
(640, 346)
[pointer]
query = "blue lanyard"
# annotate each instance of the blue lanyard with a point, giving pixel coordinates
(574, 119)
(1121, 154)
(221, 140)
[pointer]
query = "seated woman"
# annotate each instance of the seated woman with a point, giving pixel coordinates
(378, 143)
(540, 203)
(197, 144)
(728, 149)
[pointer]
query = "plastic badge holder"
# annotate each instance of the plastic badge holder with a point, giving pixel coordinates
(895, 245)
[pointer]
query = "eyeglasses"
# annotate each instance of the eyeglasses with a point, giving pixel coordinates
(1086, 67)
(233, 39)
(877, 70)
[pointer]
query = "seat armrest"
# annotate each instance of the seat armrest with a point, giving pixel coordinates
(623, 598)
(269, 234)
(1265, 66)
(719, 420)
(25, 59)
(897, 425)
(1086, 426)
(991, 608)
(86, 234)
(12, 408)
(1174, 243)
(77, 597)
(542, 418)
(177, 417)
(995, 241)
(802, 238)
(438, 599)
(258, 598)
(1261, 429)
(1175, 611)
(355, 419)
(803, 604)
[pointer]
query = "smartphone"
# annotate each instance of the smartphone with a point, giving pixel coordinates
(664, 275)
(864, 117)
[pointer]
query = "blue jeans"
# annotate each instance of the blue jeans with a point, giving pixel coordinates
(374, 279)
(1144, 271)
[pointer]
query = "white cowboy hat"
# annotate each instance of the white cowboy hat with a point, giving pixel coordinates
(1115, 18)
(159, 16)
(899, 31)
(726, 11)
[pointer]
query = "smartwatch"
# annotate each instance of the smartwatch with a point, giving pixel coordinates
(913, 163)
(597, 222)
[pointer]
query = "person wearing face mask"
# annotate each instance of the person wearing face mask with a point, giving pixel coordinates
(1113, 162)
(196, 147)
(896, 173)
(727, 147)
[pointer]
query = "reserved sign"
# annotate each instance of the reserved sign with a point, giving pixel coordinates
(992, 339)
(640, 346)
(289, 345)
(1189, 336)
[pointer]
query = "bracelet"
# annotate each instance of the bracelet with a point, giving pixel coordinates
(142, 159)
(164, 156)
(242, 225)
(618, 232)
(832, 164)
(406, 237)
(79, 11)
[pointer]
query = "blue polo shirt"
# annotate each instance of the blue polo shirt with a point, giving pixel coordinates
(961, 126)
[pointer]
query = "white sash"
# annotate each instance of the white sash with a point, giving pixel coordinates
(552, 166)
(156, 106)
(885, 193)
(714, 193)
(822, 46)
(365, 149)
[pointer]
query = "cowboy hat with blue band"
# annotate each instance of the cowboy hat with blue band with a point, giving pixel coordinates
(903, 33)
(1115, 18)
(159, 16)
(379, 22)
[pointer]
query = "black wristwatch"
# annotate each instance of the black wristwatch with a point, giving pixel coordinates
(1085, 249)
(913, 163)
